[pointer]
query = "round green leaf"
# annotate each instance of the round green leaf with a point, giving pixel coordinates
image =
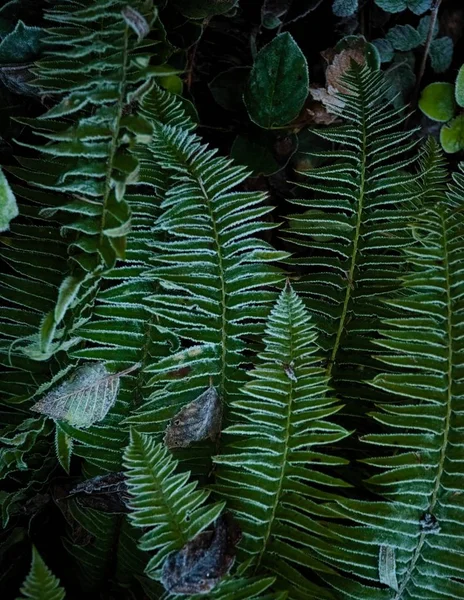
(278, 84)
(459, 88)
(452, 135)
(437, 101)
(441, 54)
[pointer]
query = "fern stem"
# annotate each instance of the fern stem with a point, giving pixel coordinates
(223, 287)
(444, 447)
(115, 137)
(354, 256)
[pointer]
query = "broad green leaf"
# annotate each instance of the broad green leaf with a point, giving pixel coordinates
(85, 398)
(344, 8)
(403, 37)
(278, 84)
(8, 206)
(459, 87)
(441, 54)
(452, 135)
(255, 155)
(20, 45)
(437, 101)
(40, 583)
(227, 87)
(418, 7)
(385, 49)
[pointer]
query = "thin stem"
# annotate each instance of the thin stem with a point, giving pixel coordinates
(428, 42)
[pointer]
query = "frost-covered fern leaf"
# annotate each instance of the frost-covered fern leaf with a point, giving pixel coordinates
(122, 331)
(355, 224)
(419, 448)
(97, 66)
(270, 471)
(212, 270)
(85, 398)
(166, 504)
(41, 584)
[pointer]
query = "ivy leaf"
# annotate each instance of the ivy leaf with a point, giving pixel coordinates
(278, 84)
(437, 101)
(8, 206)
(452, 135)
(459, 87)
(404, 37)
(441, 54)
(40, 583)
(418, 7)
(344, 8)
(85, 398)
(20, 45)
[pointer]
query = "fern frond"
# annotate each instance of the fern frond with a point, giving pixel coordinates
(212, 270)
(270, 470)
(355, 225)
(164, 502)
(421, 476)
(96, 64)
(40, 583)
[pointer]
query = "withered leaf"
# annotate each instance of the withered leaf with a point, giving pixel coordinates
(196, 421)
(199, 566)
(85, 398)
(107, 493)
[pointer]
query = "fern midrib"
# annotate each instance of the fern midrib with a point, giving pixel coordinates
(449, 398)
(284, 463)
(350, 275)
(223, 288)
(114, 140)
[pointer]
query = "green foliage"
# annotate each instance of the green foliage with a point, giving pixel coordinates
(141, 287)
(354, 225)
(419, 475)
(269, 470)
(437, 101)
(418, 7)
(452, 135)
(8, 205)
(278, 83)
(459, 87)
(41, 584)
(164, 502)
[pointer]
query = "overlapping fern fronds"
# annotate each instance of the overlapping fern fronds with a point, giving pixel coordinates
(419, 525)
(212, 270)
(355, 225)
(96, 64)
(172, 511)
(270, 471)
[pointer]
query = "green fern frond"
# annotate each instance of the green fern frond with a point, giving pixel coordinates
(164, 502)
(41, 584)
(96, 64)
(270, 470)
(421, 476)
(212, 270)
(355, 225)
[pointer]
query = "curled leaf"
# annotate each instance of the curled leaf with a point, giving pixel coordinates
(199, 566)
(197, 421)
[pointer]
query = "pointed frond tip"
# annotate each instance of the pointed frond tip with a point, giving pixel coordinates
(40, 583)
